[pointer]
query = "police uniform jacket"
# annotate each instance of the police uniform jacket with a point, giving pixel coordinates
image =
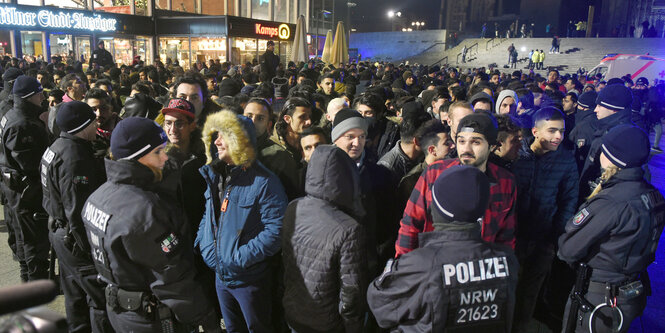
(24, 140)
(101, 57)
(138, 241)
(455, 280)
(591, 169)
(70, 173)
(616, 231)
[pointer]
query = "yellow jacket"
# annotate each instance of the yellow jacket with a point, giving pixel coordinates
(541, 56)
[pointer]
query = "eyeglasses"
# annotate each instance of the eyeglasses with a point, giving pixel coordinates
(178, 124)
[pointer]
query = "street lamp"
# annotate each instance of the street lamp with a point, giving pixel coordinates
(391, 13)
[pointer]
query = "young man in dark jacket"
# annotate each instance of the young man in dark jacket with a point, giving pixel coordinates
(430, 289)
(547, 195)
(240, 229)
(323, 246)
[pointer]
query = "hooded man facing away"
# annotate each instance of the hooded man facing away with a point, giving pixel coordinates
(323, 246)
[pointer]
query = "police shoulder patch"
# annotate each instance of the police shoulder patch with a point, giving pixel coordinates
(580, 143)
(169, 243)
(581, 217)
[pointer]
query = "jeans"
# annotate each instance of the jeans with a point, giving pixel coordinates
(246, 308)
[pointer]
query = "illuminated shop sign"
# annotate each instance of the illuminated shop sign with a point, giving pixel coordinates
(55, 20)
(283, 31)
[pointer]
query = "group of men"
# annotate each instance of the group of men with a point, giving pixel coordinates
(358, 198)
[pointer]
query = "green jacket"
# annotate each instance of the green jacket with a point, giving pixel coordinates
(282, 163)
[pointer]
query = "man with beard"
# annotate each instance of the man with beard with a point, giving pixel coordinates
(383, 133)
(476, 136)
(106, 119)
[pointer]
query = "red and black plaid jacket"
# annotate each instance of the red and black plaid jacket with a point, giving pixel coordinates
(498, 222)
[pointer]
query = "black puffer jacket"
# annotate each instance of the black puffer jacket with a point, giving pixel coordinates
(323, 246)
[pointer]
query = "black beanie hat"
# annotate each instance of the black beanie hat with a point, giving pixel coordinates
(482, 123)
(73, 117)
(615, 97)
(461, 194)
(626, 146)
(11, 74)
(588, 100)
(26, 86)
(135, 137)
(346, 119)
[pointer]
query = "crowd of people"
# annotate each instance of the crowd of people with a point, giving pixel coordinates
(311, 197)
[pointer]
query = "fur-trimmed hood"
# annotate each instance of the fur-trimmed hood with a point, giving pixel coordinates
(237, 131)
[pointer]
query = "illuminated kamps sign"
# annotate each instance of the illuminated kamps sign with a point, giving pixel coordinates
(283, 31)
(55, 20)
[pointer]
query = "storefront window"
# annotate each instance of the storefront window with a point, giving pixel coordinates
(244, 50)
(172, 50)
(205, 49)
(141, 48)
(280, 10)
(122, 51)
(122, 6)
(31, 44)
(83, 50)
(61, 45)
(58, 3)
(261, 9)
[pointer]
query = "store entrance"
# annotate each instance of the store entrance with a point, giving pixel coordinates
(83, 49)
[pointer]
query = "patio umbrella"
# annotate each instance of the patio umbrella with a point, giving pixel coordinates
(340, 49)
(327, 47)
(299, 50)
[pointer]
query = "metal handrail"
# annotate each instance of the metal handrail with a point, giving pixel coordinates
(492, 40)
(468, 52)
(440, 61)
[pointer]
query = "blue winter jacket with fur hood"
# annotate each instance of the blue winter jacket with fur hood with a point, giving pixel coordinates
(238, 241)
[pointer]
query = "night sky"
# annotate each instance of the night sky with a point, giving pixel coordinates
(371, 15)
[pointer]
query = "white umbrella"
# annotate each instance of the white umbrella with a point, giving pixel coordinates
(299, 50)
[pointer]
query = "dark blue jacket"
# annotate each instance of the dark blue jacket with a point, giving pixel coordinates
(546, 193)
(591, 169)
(237, 243)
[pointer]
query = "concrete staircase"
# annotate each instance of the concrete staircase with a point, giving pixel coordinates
(574, 52)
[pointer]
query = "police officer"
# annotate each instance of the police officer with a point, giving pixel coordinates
(24, 139)
(140, 243)
(70, 173)
(612, 109)
(101, 56)
(455, 280)
(615, 232)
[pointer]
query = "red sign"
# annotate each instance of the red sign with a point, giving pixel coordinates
(266, 31)
(115, 9)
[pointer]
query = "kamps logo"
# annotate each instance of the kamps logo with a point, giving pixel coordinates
(283, 31)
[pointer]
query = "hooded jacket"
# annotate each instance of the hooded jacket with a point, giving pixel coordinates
(238, 241)
(323, 247)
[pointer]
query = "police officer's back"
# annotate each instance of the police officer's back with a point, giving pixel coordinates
(616, 232)
(70, 173)
(455, 281)
(23, 139)
(139, 241)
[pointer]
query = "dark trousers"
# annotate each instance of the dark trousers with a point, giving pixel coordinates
(246, 308)
(32, 244)
(84, 295)
(603, 318)
(535, 262)
(137, 322)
